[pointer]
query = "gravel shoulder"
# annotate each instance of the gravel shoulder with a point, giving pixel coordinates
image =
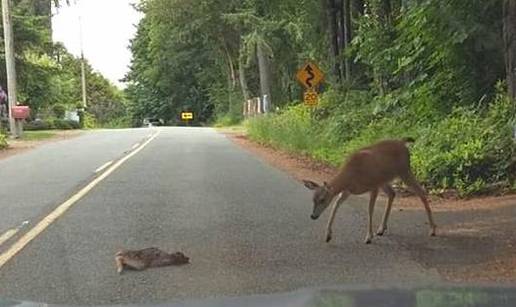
(23, 145)
(478, 239)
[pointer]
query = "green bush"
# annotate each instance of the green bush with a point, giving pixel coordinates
(467, 150)
(88, 121)
(3, 141)
(39, 125)
(64, 124)
(117, 123)
(50, 124)
(59, 111)
(227, 120)
(292, 129)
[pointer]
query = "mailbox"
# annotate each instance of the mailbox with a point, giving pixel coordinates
(21, 112)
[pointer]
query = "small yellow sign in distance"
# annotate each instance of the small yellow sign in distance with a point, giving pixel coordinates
(310, 75)
(311, 98)
(187, 115)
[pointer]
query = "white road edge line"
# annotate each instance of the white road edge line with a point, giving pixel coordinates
(103, 166)
(135, 145)
(61, 209)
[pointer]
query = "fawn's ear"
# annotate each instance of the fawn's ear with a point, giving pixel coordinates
(310, 184)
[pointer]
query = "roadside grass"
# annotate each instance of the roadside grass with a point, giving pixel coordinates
(38, 135)
(238, 129)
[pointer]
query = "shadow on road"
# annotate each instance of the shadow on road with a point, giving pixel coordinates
(471, 245)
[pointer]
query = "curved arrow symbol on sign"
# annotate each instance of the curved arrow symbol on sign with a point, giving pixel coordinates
(311, 75)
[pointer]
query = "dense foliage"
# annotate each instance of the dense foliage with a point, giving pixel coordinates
(430, 69)
(48, 76)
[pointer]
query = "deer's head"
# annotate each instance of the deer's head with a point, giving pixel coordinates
(321, 198)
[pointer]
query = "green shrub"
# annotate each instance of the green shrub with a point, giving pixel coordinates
(227, 120)
(59, 111)
(117, 123)
(50, 124)
(468, 150)
(64, 124)
(292, 129)
(88, 121)
(39, 125)
(3, 141)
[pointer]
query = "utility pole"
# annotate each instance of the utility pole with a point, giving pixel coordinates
(83, 68)
(9, 63)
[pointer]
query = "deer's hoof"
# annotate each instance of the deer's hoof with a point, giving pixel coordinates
(380, 231)
(328, 238)
(367, 241)
(432, 232)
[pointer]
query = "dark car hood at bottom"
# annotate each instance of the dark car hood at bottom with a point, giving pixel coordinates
(356, 297)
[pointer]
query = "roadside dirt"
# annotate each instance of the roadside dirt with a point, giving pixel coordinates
(20, 146)
(477, 236)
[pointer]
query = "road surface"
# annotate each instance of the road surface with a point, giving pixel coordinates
(245, 225)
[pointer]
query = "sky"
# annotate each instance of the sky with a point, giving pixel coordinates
(107, 27)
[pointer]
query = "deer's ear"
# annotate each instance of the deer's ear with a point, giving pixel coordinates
(310, 184)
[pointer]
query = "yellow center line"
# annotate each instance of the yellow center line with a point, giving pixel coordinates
(8, 235)
(61, 209)
(103, 166)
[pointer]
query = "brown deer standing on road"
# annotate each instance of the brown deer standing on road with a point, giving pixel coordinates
(368, 170)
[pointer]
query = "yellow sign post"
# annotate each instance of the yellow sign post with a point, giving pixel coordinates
(187, 116)
(311, 98)
(310, 75)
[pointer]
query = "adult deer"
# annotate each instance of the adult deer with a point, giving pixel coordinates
(368, 170)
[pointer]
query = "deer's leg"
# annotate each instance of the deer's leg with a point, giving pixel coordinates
(411, 181)
(372, 201)
(390, 194)
(340, 199)
(119, 264)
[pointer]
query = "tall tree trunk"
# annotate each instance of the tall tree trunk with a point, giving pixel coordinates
(509, 34)
(243, 79)
(359, 7)
(346, 36)
(331, 14)
(386, 10)
(265, 74)
(229, 62)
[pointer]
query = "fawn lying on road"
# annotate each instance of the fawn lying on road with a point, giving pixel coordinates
(147, 258)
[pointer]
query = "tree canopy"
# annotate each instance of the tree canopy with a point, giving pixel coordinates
(48, 75)
(209, 55)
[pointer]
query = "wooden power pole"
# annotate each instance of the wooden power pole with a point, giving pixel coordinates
(9, 63)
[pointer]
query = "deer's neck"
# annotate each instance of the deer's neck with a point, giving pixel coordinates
(337, 184)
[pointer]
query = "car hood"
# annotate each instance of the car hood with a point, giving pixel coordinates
(329, 297)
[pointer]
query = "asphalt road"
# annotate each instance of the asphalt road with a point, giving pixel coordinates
(245, 225)
(34, 182)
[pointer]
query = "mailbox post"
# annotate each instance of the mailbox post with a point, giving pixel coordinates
(20, 114)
